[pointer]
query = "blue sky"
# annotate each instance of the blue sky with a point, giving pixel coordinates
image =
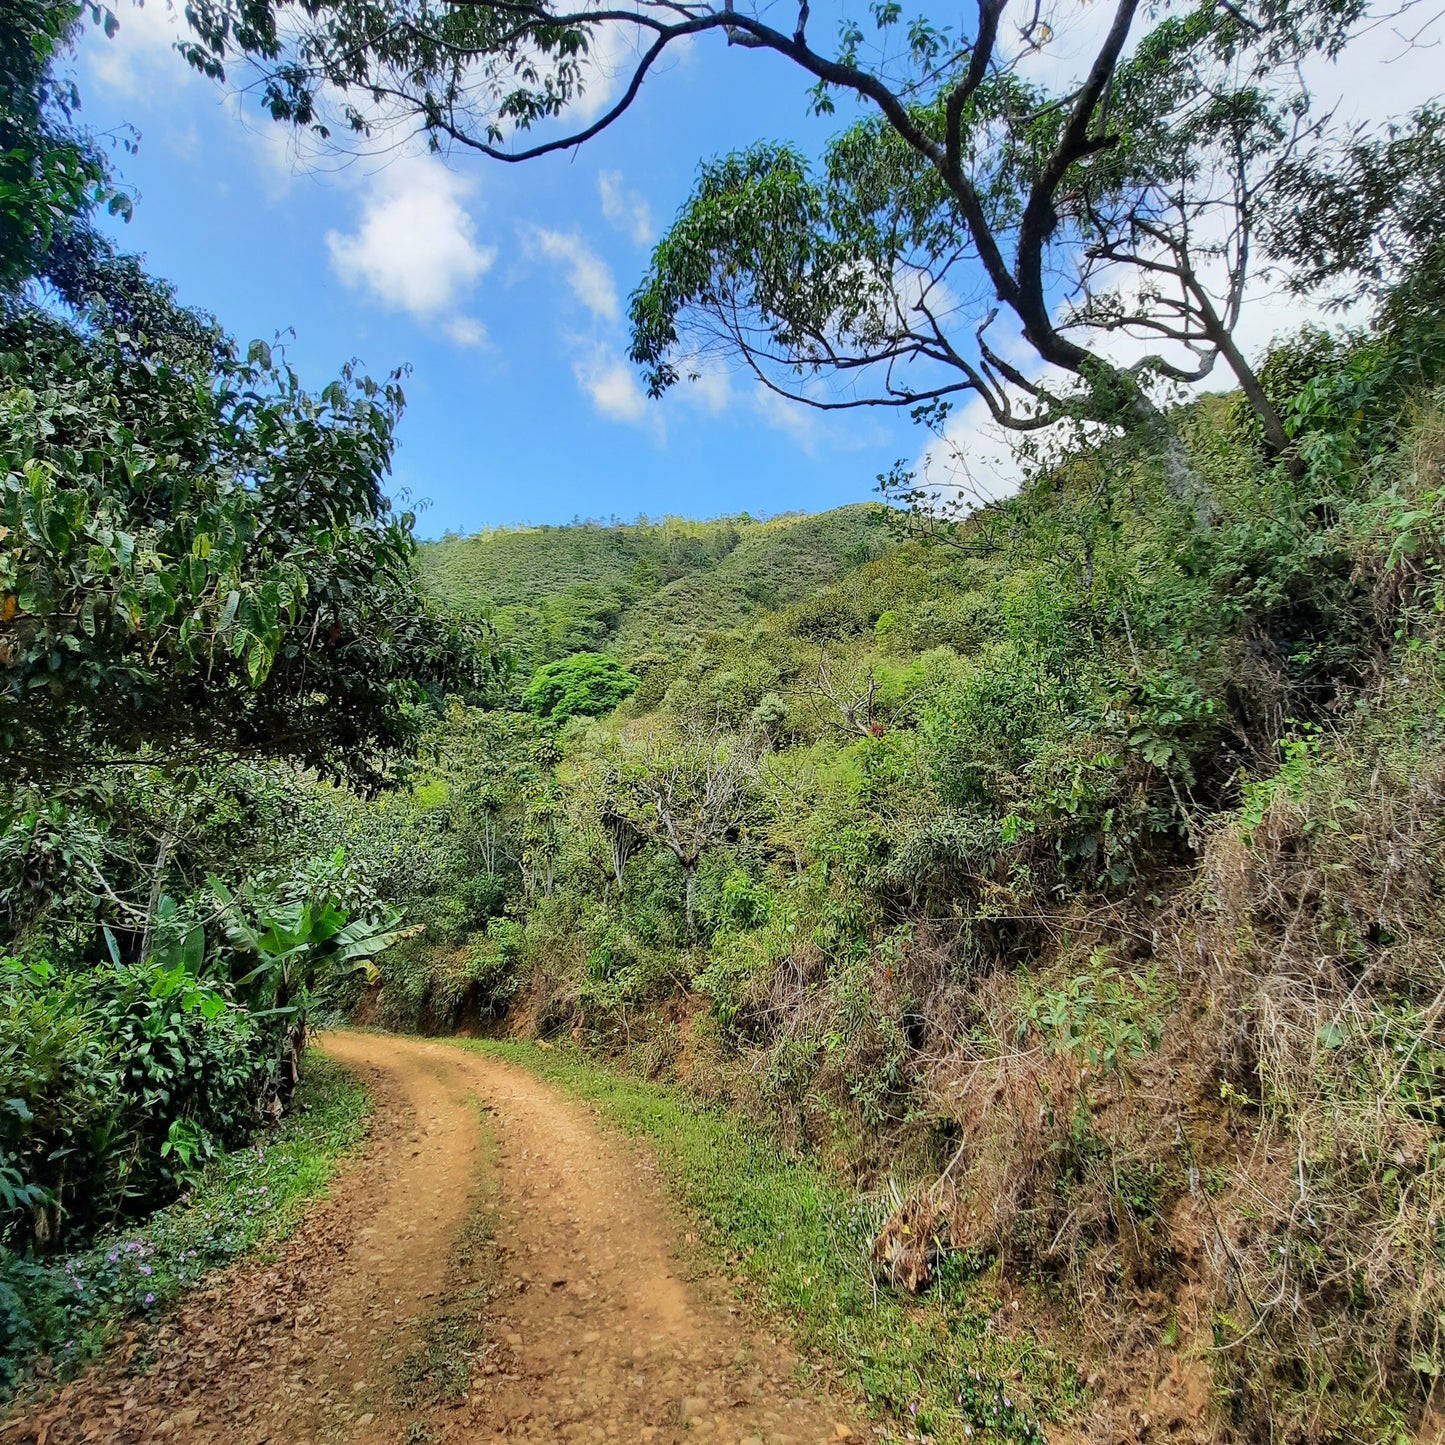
(504, 288)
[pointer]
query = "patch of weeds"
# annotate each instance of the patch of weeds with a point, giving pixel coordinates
(57, 1313)
(440, 1367)
(949, 1366)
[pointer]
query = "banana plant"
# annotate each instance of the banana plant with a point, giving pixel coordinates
(284, 951)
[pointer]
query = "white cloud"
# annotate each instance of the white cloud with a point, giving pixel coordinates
(185, 142)
(973, 463)
(587, 273)
(140, 59)
(466, 331)
(415, 245)
(706, 384)
(792, 417)
(613, 386)
(626, 209)
(613, 54)
(275, 149)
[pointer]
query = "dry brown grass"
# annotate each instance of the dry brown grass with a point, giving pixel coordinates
(1325, 955)
(1257, 1196)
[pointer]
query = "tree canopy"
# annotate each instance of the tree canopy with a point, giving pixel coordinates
(587, 684)
(1105, 211)
(203, 558)
(197, 555)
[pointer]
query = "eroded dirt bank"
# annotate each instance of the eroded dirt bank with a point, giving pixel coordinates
(466, 1280)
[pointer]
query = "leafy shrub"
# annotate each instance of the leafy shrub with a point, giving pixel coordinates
(66, 1306)
(979, 731)
(117, 1083)
(493, 966)
(467, 905)
(744, 904)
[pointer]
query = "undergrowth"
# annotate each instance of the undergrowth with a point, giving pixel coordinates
(1068, 873)
(57, 1313)
(948, 1367)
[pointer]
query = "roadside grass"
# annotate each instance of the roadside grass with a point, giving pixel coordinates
(949, 1366)
(58, 1313)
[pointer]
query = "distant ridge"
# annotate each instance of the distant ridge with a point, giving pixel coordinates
(631, 587)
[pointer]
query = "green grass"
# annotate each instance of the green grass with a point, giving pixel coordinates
(55, 1314)
(796, 1244)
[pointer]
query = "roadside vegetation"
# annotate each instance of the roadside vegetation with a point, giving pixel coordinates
(206, 599)
(1064, 874)
(58, 1311)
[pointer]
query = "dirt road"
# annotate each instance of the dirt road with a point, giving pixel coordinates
(494, 1267)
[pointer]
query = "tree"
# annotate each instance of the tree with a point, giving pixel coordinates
(285, 950)
(51, 174)
(624, 840)
(1369, 212)
(1120, 199)
(688, 794)
(587, 684)
(198, 556)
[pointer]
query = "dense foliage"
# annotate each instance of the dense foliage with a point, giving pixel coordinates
(64, 1307)
(199, 555)
(583, 685)
(1073, 864)
(1033, 857)
(206, 600)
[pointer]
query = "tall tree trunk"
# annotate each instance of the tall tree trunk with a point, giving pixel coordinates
(1277, 442)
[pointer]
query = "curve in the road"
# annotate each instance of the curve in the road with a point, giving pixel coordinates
(589, 1330)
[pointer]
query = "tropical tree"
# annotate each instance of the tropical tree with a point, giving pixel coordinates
(1369, 212)
(1107, 209)
(285, 950)
(197, 556)
(587, 684)
(688, 794)
(52, 176)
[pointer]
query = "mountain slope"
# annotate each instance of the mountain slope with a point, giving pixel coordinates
(645, 586)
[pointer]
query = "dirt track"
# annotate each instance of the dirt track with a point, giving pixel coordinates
(462, 1282)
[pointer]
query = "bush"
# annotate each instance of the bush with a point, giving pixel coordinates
(492, 966)
(467, 905)
(117, 1083)
(66, 1307)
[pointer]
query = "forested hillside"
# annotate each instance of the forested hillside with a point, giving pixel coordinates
(1072, 866)
(553, 591)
